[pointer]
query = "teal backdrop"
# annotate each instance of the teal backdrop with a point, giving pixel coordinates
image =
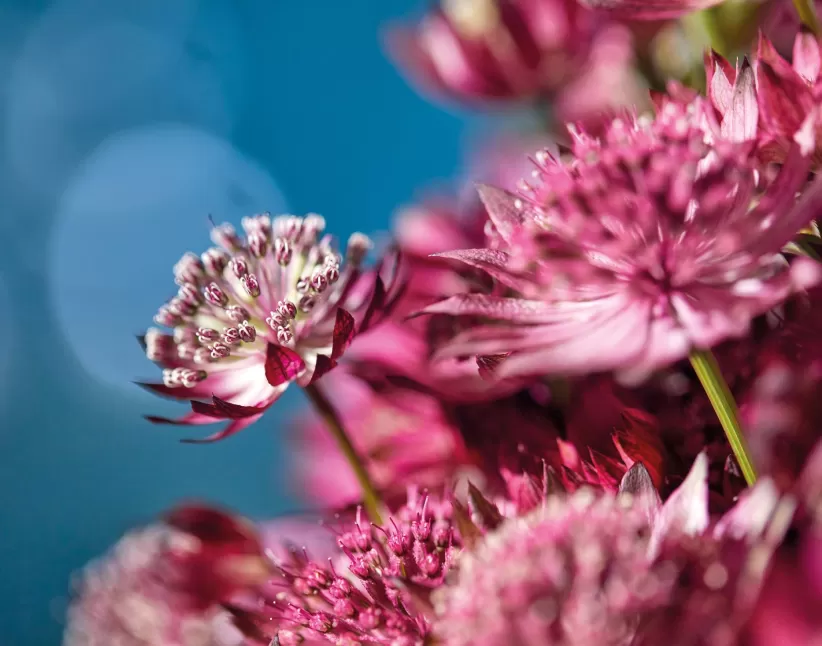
(126, 123)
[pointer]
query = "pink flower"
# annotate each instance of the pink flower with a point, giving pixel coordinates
(655, 240)
(787, 611)
(604, 570)
(256, 313)
(783, 419)
(483, 49)
(163, 584)
(779, 22)
(403, 436)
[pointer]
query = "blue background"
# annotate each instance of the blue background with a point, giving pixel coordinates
(124, 124)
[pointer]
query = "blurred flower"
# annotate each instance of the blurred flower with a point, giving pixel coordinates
(787, 611)
(163, 584)
(403, 436)
(254, 314)
(487, 49)
(779, 22)
(606, 85)
(649, 9)
(654, 240)
(783, 418)
(604, 570)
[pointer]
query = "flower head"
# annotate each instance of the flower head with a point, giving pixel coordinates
(375, 591)
(659, 238)
(484, 49)
(163, 584)
(256, 312)
(603, 569)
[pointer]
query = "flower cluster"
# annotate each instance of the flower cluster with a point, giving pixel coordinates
(584, 408)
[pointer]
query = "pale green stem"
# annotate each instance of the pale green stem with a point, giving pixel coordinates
(807, 14)
(371, 499)
(722, 400)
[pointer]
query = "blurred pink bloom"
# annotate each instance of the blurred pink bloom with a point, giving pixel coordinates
(780, 23)
(256, 313)
(606, 85)
(787, 611)
(655, 240)
(163, 584)
(403, 436)
(606, 570)
(485, 49)
(783, 420)
(648, 9)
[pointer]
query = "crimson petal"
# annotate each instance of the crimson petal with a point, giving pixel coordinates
(282, 364)
(343, 332)
(324, 364)
(232, 428)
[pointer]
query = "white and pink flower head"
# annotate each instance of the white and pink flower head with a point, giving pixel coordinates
(258, 312)
(659, 238)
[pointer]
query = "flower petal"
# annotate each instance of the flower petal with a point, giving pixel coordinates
(806, 58)
(343, 332)
(491, 261)
(686, 511)
(282, 364)
(231, 429)
(741, 118)
(502, 209)
(324, 364)
(495, 307)
(638, 483)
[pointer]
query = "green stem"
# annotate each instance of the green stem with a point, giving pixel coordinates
(371, 499)
(807, 14)
(707, 369)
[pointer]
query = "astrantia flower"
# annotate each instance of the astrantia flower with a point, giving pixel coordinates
(655, 240)
(376, 591)
(163, 584)
(255, 313)
(484, 49)
(603, 570)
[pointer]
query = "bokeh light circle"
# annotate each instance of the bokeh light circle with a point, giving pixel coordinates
(132, 209)
(88, 69)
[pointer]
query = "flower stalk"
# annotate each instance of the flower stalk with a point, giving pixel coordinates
(371, 499)
(710, 376)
